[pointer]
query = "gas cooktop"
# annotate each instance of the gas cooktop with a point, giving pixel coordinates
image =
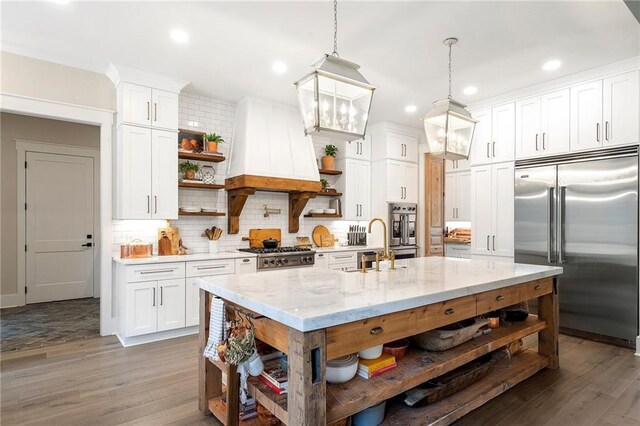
(279, 250)
(282, 257)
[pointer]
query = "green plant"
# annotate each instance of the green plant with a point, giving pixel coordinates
(325, 183)
(331, 150)
(213, 137)
(188, 166)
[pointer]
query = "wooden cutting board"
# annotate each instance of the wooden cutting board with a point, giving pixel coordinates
(174, 235)
(257, 235)
(322, 237)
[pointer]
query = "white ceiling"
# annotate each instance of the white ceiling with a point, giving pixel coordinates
(398, 44)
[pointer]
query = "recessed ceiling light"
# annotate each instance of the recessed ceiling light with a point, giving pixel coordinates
(179, 36)
(551, 65)
(470, 90)
(410, 108)
(279, 67)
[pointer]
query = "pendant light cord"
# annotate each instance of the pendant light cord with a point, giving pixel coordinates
(449, 71)
(335, 28)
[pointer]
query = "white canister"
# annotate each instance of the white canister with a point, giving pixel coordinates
(213, 246)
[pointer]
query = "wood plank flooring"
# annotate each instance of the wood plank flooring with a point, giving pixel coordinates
(97, 382)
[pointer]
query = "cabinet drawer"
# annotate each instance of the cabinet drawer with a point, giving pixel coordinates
(355, 336)
(210, 267)
(496, 299)
(154, 272)
(535, 289)
(345, 257)
(443, 313)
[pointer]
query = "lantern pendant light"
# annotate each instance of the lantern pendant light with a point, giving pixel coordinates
(335, 98)
(449, 126)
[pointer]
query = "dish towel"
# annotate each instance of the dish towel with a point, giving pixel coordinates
(217, 332)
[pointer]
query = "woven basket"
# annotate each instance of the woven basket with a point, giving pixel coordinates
(440, 340)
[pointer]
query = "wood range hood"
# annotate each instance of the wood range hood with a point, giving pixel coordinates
(270, 152)
(239, 188)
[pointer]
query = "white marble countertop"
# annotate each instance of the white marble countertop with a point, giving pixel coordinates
(186, 258)
(313, 298)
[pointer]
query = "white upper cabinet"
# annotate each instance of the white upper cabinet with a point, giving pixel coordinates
(481, 145)
(457, 187)
(355, 185)
(621, 109)
(586, 116)
(456, 165)
(164, 160)
(164, 111)
(402, 182)
(494, 138)
(145, 106)
(394, 142)
(542, 125)
(359, 150)
(402, 147)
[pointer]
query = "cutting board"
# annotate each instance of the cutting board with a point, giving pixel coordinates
(174, 235)
(257, 235)
(322, 237)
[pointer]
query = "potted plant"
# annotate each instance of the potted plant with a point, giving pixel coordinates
(328, 161)
(189, 170)
(325, 184)
(213, 140)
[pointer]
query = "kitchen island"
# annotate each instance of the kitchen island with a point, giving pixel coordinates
(314, 315)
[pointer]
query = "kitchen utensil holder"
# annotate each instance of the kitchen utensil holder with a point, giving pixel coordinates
(213, 246)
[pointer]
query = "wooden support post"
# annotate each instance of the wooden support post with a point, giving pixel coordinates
(235, 203)
(297, 203)
(307, 403)
(233, 396)
(548, 338)
(209, 377)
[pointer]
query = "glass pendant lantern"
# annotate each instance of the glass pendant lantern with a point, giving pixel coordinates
(448, 125)
(335, 98)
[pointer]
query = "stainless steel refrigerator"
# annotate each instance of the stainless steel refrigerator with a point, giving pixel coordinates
(580, 212)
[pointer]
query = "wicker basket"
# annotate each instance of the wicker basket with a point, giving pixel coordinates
(440, 340)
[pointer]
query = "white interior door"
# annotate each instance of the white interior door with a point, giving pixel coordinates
(59, 227)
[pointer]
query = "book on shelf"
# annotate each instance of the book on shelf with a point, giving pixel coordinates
(247, 410)
(275, 376)
(371, 365)
(366, 375)
(277, 390)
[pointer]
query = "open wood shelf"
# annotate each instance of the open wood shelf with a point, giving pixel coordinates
(200, 157)
(330, 194)
(323, 216)
(200, 214)
(219, 409)
(199, 185)
(330, 172)
(523, 366)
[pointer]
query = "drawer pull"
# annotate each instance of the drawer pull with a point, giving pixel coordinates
(376, 330)
(500, 298)
(449, 311)
(344, 257)
(203, 268)
(246, 260)
(537, 287)
(159, 271)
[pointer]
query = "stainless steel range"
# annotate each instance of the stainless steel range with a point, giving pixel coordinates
(282, 257)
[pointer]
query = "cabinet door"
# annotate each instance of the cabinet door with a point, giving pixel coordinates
(192, 302)
(410, 148)
(556, 122)
(359, 149)
(134, 165)
(622, 109)
(164, 174)
(321, 261)
(395, 178)
(450, 196)
(350, 206)
(463, 192)
(503, 133)
(502, 210)
(481, 146)
(141, 308)
(246, 265)
(456, 165)
(528, 133)
(410, 183)
(165, 109)
(481, 209)
(395, 146)
(136, 104)
(171, 304)
(364, 189)
(586, 116)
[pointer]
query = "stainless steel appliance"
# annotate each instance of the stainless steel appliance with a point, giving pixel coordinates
(580, 212)
(401, 253)
(283, 257)
(402, 218)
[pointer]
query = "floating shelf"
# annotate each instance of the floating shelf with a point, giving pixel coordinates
(330, 194)
(199, 185)
(201, 157)
(329, 172)
(323, 216)
(200, 214)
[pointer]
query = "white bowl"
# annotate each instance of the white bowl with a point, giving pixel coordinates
(329, 211)
(372, 416)
(371, 353)
(343, 369)
(316, 211)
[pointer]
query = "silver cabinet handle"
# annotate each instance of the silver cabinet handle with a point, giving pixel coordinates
(598, 132)
(246, 260)
(487, 243)
(320, 255)
(155, 111)
(606, 130)
(488, 156)
(154, 297)
(493, 244)
(155, 202)
(343, 257)
(453, 212)
(561, 200)
(148, 110)
(157, 271)
(543, 137)
(148, 204)
(493, 149)
(204, 268)
(549, 224)
(161, 292)
(536, 141)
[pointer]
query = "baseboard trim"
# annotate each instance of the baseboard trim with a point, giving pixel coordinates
(156, 337)
(9, 301)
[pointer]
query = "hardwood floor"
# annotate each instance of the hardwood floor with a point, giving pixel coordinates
(97, 382)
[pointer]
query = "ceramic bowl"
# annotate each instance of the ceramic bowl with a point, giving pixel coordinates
(371, 353)
(372, 416)
(397, 349)
(343, 369)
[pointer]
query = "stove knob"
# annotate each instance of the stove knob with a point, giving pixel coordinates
(272, 262)
(285, 261)
(266, 262)
(279, 261)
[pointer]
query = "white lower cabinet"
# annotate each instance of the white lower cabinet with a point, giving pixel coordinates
(321, 261)
(246, 265)
(192, 301)
(170, 303)
(140, 309)
(460, 251)
(456, 196)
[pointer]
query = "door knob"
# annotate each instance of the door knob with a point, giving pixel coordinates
(87, 245)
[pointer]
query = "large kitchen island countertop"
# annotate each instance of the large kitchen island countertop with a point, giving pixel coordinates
(309, 299)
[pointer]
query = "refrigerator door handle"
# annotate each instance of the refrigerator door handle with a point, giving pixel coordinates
(550, 225)
(561, 199)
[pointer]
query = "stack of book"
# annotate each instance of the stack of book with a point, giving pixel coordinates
(247, 410)
(368, 368)
(275, 376)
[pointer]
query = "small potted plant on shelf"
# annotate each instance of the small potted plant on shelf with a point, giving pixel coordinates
(328, 161)
(325, 185)
(189, 170)
(213, 140)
